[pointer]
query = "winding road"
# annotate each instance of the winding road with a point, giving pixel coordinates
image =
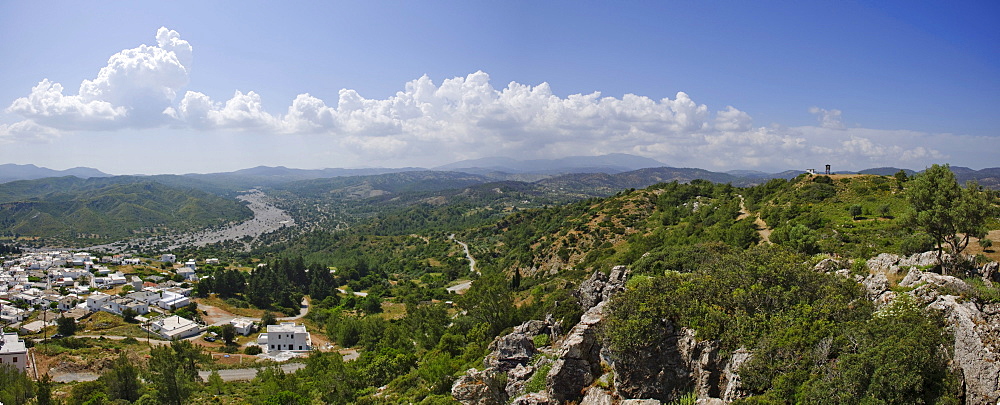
(465, 247)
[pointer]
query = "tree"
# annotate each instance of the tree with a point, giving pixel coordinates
(855, 211)
(122, 379)
(66, 326)
(15, 386)
(948, 213)
(129, 314)
(44, 388)
(172, 371)
(268, 319)
(216, 383)
(490, 300)
(228, 333)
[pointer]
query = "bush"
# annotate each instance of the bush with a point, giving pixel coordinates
(916, 243)
(540, 340)
(537, 381)
(253, 350)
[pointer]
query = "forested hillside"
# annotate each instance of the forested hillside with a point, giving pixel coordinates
(70, 209)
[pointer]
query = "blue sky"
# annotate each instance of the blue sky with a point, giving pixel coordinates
(718, 85)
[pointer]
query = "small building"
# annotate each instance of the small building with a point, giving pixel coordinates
(97, 300)
(67, 303)
(149, 297)
(169, 258)
(212, 261)
(13, 351)
(172, 300)
(244, 326)
(175, 327)
(285, 337)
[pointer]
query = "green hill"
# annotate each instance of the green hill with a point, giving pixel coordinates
(70, 209)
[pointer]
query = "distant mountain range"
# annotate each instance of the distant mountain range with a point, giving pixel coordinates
(619, 169)
(11, 172)
(611, 163)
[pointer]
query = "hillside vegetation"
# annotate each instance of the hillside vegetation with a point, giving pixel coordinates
(69, 209)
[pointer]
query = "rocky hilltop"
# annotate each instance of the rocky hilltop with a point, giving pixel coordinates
(579, 367)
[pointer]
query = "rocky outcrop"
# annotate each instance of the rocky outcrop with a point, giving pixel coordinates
(575, 363)
(579, 358)
(891, 264)
(928, 286)
(508, 367)
(975, 355)
(480, 388)
(599, 287)
(516, 348)
(677, 365)
(990, 272)
(975, 330)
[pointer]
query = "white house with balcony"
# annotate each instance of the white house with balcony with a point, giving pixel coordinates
(285, 337)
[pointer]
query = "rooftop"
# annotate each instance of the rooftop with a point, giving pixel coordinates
(286, 327)
(11, 344)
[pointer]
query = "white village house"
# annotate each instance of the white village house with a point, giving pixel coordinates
(13, 351)
(175, 327)
(285, 337)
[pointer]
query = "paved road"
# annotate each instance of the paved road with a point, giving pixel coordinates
(246, 374)
(303, 311)
(465, 247)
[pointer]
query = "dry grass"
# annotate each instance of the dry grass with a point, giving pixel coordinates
(993, 253)
(224, 306)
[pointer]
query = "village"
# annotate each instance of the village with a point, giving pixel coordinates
(151, 299)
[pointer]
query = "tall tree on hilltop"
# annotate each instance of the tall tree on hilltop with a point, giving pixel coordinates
(950, 214)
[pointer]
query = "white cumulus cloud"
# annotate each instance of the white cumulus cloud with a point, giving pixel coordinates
(426, 123)
(828, 118)
(133, 90)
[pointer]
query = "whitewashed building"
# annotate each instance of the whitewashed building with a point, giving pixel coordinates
(13, 351)
(285, 337)
(244, 326)
(175, 327)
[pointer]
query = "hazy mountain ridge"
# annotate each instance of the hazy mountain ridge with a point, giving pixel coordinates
(487, 169)
(13, 172)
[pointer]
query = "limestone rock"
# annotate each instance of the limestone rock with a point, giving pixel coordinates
(731, 390)
(974, 348)
(828, 265)
(640, 402)
(479, 388)
(599, 287)
(579, 360)
(678, 364)
(989, 272)
(885, 263)
(928, 286)
(597, 396)
(509, 351)
(534, 398)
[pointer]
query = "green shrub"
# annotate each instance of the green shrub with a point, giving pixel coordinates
(540, 340)
(253, 350)
(537, 381)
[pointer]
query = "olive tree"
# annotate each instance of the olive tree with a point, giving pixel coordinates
(949, 213)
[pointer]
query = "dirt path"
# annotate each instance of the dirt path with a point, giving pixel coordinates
(762, 229)
(247, 374)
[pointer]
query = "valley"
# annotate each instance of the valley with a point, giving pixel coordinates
(454, 288)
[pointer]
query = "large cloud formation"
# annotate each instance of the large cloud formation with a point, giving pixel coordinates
(464, 117)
